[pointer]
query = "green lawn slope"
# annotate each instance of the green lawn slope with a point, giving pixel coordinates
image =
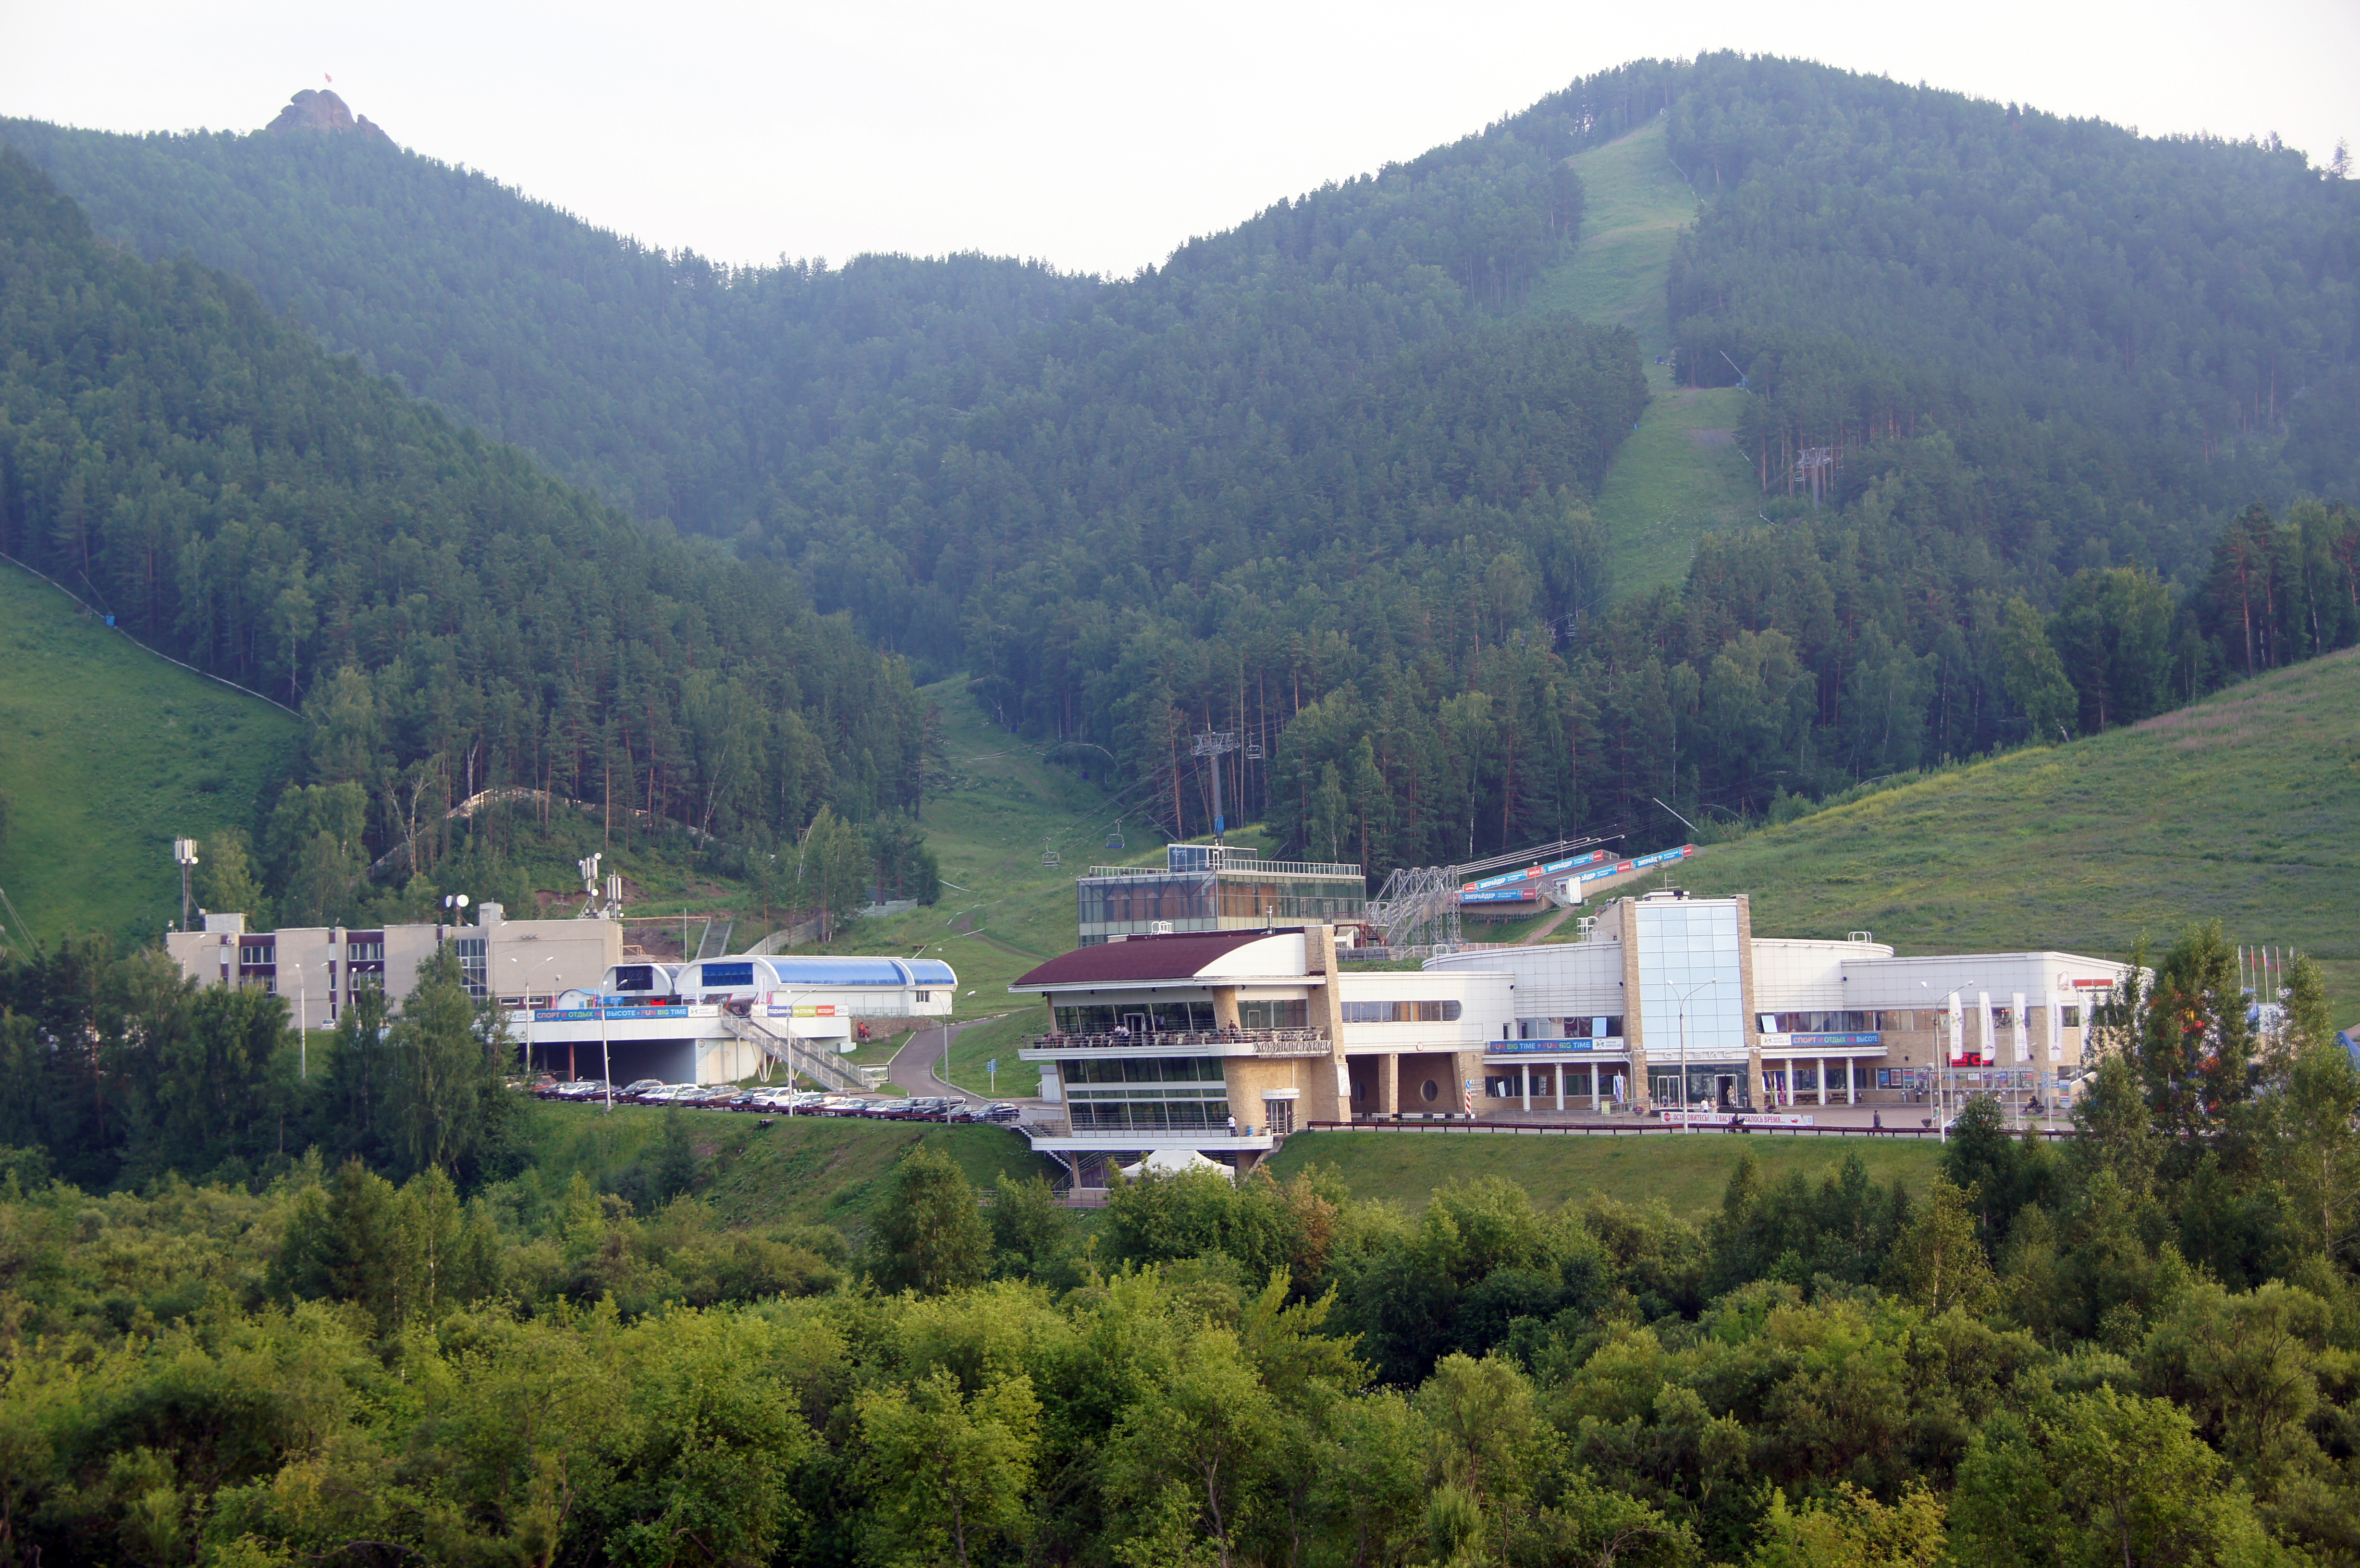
(107, 754)
(1678, 474)
(1688, 1174)
(2244, 808)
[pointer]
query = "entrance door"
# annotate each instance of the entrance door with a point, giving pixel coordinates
(1135, 1023)
(1726, 1089)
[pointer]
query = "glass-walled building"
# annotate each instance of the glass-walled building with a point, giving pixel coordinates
(1210, 887)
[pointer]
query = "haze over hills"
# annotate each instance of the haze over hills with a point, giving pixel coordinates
(1359, 476)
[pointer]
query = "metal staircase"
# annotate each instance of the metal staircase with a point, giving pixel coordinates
(716, 939)
(799, 1055)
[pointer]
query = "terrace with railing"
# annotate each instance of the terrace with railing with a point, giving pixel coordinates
(1195, 1042)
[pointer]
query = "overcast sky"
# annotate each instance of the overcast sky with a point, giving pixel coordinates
(1094, 136)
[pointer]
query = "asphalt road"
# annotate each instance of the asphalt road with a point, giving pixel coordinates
(913, 1067)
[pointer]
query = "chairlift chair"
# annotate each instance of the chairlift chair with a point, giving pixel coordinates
(1114, 835)
(1050, 858)
(1254, 751)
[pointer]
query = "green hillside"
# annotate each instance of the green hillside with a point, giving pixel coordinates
(2244, 808)
(1634, 204)
(1680, 472)
(108, 752)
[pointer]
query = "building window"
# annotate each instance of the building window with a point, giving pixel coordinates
(1597, 1027)
(472, 964)
(365, 952)
(1274, 1014)
(1822, 1022)
(1100, 1017)
(1428, 1093)
(256, 953)
(2072, 1016)
(1401, 1012)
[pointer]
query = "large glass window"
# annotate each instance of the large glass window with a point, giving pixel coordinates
(1101, 1018)
(1689, 978)
(1147, 1095)
(1401, 1012)
(1137, 901)
(1274, 1015)
(1578, 1027)
(1829, 1021)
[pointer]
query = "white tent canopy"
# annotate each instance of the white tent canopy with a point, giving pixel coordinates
(1174, 1162)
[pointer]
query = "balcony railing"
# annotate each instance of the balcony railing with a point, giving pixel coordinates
(1135, 1137)
(1197, 1042)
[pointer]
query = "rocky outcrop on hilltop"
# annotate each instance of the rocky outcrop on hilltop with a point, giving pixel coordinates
(317, 110)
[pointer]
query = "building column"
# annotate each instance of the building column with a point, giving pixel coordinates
(1824, 1082)
(1389, 1083)
(1524, 1083)
(1560, 1085)
(1851, 1087)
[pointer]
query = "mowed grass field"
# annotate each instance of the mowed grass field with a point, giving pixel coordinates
(1678, 474)
(107, 754)
(2244, 808)
(798, 1171)
(1687, 1173)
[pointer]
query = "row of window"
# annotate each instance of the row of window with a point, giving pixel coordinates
(1401, 1012)
(1145, 1069)
(1597, 1027)
(1921, 1020)
(1154, 1116)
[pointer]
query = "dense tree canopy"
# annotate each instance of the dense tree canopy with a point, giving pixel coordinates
(447, 619)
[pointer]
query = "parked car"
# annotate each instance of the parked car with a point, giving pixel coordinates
(1001, 1111)
(640, 1087)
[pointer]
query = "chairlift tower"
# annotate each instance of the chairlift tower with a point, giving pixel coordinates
(1215, 744)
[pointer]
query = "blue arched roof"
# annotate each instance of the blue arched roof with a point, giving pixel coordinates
(930, 972)
(820, 969)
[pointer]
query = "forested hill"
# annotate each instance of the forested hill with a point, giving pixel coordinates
(446, 616)
(1325, 478)
(2130, 334)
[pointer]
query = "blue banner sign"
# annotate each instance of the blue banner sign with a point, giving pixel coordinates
(1520, 887)
(1801, 1041)
(590, 1015)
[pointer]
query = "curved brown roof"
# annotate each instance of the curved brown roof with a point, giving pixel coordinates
(1175, 958)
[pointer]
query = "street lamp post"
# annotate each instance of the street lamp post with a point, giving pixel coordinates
(1687, 1123)
(302, 1036)
(527, 997)
(605, 1061)
(1949, 1048)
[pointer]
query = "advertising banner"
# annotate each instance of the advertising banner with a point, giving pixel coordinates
(2021, 1029)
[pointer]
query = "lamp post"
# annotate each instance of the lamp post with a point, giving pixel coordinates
(527, 989)
(1943, 1096)
(1686, 1122)
(605, 1061)
(303, 1040)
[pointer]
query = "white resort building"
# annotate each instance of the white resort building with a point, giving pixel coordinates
(1223, 1041)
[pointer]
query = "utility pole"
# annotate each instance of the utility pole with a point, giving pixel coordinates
(1215, 744)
